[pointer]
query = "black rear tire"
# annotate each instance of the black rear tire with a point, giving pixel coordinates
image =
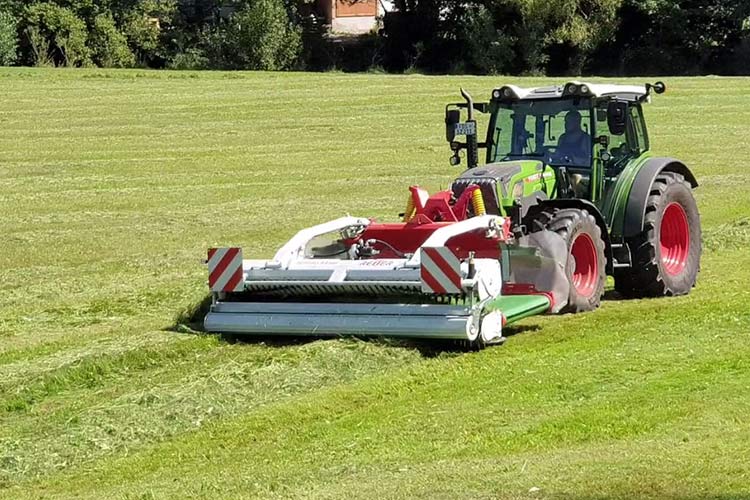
(587, 262)
(666, 255)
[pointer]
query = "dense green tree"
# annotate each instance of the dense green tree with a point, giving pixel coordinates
(8, 39)
(57, 35)
(517, 36)
(679, 36)
(260, 36)
(264, 36)
(557, 37)
(108, 45)
(487, 49)
(143, 23)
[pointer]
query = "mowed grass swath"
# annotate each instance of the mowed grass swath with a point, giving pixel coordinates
(113, 185)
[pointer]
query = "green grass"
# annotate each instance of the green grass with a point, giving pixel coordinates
(114, 183)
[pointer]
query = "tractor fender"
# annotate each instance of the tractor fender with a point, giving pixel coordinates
(593, 210)
(635, 210)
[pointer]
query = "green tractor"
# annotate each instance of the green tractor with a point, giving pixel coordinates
(575, 159)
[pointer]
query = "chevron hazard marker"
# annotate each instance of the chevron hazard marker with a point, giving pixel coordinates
(440, 270)
(225, 270)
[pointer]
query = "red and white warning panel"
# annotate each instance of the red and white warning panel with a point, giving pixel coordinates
(440, 270)
(225, 270)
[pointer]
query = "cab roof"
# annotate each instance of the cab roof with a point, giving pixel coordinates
(573, 88)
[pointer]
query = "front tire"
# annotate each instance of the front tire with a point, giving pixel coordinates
(666, 255)
(586, 263)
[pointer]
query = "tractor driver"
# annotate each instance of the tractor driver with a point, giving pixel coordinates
(574, 146)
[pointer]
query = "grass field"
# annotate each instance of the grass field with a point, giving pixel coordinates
(113, 184)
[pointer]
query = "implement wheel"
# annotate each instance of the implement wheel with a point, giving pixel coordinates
(666, 255)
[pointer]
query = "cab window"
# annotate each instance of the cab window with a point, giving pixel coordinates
(557, 132)
(619, 147)
(639, 139)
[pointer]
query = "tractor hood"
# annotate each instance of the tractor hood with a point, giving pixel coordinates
(505, 181)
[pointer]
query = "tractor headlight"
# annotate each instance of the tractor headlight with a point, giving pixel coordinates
(576, 89)
(505, 93)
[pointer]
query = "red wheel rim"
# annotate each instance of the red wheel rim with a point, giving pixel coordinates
(586, 270)
(674, 239)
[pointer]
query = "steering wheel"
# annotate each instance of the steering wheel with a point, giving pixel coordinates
(557, 157)
(549, 153)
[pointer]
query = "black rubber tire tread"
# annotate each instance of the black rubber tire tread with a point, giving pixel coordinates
(568, 223)
(646, 278)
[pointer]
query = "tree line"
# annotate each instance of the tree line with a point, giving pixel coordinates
(554, 37)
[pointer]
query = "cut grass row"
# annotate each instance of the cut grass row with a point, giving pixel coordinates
(620, 404)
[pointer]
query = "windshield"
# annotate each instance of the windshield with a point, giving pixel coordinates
(556, 131)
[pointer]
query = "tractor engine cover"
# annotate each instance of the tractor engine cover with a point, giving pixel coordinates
(498, 181)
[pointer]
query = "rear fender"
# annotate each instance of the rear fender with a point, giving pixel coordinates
(635, 208)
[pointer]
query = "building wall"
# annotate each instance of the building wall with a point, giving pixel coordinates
(353, 16)
(356, 8)
(354, 24)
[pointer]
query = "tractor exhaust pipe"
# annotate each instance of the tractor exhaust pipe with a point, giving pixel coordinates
(472, 147)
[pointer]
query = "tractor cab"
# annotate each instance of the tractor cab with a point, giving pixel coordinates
(579, 136)
(559, 133)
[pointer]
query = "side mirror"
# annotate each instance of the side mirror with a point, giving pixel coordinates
(452, 117)
(617, 117)
(658, 87)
